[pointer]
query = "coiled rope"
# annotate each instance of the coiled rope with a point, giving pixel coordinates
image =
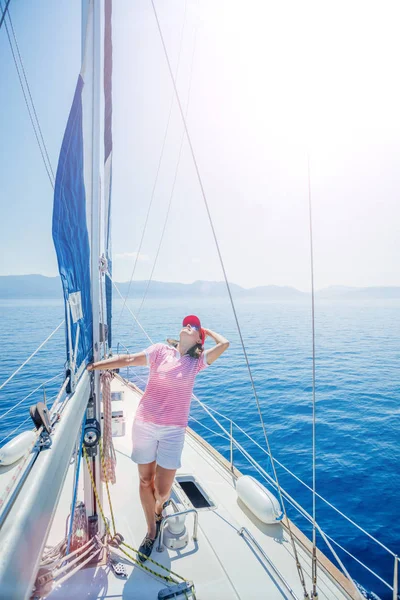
(108, 473)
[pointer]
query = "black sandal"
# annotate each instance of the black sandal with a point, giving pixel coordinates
(146, 548)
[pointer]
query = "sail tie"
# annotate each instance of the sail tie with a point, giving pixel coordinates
(110, 460)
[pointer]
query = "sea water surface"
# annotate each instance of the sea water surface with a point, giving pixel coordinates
(357, 400)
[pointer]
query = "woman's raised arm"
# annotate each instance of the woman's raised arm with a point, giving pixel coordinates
(120, 361)
(222, 344)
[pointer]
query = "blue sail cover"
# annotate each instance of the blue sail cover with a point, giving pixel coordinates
(108, 155)
(70, 232)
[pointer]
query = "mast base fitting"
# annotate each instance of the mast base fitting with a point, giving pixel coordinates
(178, 591)
(40, 416)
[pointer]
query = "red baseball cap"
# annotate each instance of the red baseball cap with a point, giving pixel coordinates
(195, 322)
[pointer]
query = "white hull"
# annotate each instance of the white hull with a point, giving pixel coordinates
(25, 529)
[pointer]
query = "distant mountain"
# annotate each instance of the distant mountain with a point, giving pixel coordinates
(336, 290)
(275, 292)
(30, 286)
(341, 292)
(38, 286)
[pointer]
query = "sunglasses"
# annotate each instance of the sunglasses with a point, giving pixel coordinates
(194, 327)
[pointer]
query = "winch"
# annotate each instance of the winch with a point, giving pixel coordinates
(175, 532)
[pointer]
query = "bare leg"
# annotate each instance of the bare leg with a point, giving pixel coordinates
(146, 491)
(162, 486)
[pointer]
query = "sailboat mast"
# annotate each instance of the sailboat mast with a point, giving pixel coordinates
(84, 17)
(96, 204)
(96, 183)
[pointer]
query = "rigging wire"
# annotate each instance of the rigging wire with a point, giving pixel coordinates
(76, 482)
(29, 395)
(30, 97)
(29, 418)
(174, 181)
(314, 532)
(32, 355)
(4, 12)
(29, 105)
(129, 310)
(298, 565)
(158, 169)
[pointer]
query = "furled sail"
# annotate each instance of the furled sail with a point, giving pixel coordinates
(108, 155)
(72, 213)
(71, 237)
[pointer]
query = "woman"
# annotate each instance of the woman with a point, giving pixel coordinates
(158, 432)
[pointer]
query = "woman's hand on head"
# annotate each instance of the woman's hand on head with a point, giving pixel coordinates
(89, 367)
(221, 344)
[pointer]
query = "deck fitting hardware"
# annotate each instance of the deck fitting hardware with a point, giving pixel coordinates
(91, 436)
(118, 568)
(160, 547)
(40, 416)
(45, 440)
(184, 589)
(43, 583)
(116, 540)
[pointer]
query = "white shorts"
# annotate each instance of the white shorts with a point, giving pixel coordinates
(162, 443)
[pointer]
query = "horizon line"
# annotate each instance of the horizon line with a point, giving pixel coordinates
(354, 287)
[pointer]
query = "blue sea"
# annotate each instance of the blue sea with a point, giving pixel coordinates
(357, 400)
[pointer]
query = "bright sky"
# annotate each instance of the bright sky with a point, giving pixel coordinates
(271, 81)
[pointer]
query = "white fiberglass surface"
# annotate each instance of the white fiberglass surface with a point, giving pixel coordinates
(222, 564)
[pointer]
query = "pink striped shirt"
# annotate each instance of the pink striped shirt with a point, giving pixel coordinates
(166, 400)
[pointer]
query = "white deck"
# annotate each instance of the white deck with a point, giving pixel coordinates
(222, 564)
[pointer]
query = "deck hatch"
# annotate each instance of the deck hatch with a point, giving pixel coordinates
(194, 492)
